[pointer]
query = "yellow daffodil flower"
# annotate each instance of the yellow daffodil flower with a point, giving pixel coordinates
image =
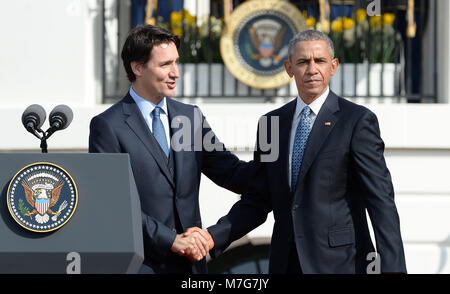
(375, 21)
(388, 18)
(342, 23)
(311, 21)
(361, 15)
(190, 19)
(176, 17)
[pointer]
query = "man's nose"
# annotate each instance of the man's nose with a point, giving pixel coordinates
(312, 68)
(174, 73)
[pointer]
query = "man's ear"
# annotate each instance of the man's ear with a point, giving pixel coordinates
(136, 67)
(334, 65)
(288, 67)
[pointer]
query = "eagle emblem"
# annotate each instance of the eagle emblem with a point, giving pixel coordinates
(42, 197)
(42, 193)
(256, 42)
(266, 36)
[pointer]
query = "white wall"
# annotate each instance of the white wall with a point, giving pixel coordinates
(47, 53)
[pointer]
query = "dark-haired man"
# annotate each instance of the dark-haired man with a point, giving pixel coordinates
(166, 168)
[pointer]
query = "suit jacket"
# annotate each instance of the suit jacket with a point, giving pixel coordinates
(168, 195)
(343, 173)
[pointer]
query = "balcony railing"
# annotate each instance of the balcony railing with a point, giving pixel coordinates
(379, 64)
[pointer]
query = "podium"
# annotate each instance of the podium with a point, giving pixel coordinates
(103, 233)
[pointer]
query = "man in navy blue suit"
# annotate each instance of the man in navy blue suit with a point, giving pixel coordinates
(170, 144)
(329, 171)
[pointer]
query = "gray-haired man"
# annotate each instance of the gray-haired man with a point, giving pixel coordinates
(331, 168)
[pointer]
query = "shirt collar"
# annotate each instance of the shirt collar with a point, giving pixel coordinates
(315, 106)
(146, 107)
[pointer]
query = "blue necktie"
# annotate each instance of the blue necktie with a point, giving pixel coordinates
(158, 130)
(300, 140)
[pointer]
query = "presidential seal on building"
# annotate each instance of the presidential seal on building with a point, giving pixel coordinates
(254, 44)
(42, 197)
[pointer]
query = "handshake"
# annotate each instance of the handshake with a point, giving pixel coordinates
(194, 244)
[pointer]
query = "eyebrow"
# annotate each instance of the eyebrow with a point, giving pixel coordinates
(320, 58)
(170, 61)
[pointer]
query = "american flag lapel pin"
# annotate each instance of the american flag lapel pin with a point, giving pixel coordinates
(328, 123)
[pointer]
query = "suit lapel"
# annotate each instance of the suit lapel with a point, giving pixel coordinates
(137, 123)
(324, 123)
(175, 109)
(281, 166)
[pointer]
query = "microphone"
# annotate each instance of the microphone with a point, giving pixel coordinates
(60, 118)
(33, 118)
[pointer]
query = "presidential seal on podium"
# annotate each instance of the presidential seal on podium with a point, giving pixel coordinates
(254, 44)
(42, 197)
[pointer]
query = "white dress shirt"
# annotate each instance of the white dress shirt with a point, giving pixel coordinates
(315, 106)
(146, 107)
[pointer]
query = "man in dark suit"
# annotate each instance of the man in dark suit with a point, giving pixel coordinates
(330, 169)
(170, 144)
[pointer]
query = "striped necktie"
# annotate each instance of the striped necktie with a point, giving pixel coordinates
(300, 140)
(158, 130)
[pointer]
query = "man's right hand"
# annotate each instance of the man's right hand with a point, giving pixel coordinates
(193, 246)
(204, 233)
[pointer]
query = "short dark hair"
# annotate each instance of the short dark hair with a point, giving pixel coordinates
(310, 35)
(139, 44)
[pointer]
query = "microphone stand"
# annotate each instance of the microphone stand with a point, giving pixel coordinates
(43, 139)
(44, 144)
(46, 135)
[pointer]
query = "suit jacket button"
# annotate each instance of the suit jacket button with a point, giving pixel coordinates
(294, 207)
(174, 230)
